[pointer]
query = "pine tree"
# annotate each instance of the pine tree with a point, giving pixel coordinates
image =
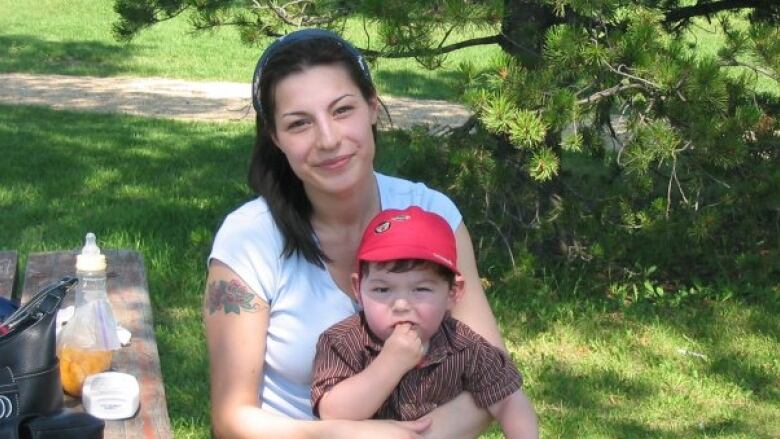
(689, 138)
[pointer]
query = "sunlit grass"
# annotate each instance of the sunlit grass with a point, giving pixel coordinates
(707, 37)
(74, 37)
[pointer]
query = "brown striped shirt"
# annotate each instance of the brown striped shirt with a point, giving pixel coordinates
(458, 360)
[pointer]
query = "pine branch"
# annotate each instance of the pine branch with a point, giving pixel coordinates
(685, 13)
(766, 71)
(493, 39)
(126, 28)
(619, 71)
(301, 20)
(595, 97)
(238, 24)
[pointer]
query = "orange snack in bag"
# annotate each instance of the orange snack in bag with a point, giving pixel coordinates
(77, 364)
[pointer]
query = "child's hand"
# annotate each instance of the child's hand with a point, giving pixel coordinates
(404, 347)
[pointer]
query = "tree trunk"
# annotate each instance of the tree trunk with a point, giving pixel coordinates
(523, 27)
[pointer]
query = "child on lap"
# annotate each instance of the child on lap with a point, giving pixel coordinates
(404, 355)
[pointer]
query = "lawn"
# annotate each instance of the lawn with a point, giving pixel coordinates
(593, 369)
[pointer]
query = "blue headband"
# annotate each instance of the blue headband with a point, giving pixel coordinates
(293, 37)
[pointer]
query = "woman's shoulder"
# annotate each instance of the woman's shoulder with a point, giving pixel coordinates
(399, 193)
(398, 184)
(250, 244)
(252, 210)
(250, 221)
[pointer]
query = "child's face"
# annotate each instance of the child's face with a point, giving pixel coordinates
(419, 297)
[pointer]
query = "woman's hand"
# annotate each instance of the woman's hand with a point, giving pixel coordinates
(459, 418)
(388, 429)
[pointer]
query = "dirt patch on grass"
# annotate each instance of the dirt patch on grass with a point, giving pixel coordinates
(177, 99)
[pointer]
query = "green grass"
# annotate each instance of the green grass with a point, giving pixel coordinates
(162, 187)
(708, 38)
(49, 37)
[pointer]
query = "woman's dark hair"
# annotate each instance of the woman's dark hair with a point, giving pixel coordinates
(270, 174)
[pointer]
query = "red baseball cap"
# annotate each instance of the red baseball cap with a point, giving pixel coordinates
(411, 233)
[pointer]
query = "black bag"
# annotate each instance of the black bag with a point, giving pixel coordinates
(29, 369)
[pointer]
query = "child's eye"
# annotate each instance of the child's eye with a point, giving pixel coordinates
(380, 290)
(423, 290)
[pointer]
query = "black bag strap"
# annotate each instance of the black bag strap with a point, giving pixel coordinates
(45, 301)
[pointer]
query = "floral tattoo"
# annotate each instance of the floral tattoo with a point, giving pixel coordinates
(232, 297)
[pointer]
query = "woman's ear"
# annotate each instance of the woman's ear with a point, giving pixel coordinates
(456, 290)
(355, 280)
(373, 105)
(272, 135)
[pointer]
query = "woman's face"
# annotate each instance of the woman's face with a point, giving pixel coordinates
(323, 126)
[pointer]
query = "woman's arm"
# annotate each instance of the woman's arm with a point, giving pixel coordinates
(473, 308)
(236, 333)
(516, 417)
(459, 418)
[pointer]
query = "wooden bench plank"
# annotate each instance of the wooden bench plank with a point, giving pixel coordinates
(8, 274)
(129, 296)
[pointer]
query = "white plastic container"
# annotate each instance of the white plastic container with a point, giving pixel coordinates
(111, 395)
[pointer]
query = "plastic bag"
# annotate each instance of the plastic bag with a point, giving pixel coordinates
(85, 344)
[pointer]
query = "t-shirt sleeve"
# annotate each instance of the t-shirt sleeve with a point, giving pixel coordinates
(248, 243)
(333, 363)
(493, 375)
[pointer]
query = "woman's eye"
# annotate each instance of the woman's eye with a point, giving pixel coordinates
(296, 124)
(343, 109)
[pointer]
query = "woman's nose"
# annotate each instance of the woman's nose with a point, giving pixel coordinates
(329, 135)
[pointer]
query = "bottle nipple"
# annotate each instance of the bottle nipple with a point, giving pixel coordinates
(90, 258)
(90, 245)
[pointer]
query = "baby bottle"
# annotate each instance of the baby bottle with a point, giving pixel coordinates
(86, 342)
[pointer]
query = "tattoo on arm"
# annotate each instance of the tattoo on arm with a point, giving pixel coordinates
(232, 297)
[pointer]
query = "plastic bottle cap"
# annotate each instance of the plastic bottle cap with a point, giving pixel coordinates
(90, 258)
(111, 395)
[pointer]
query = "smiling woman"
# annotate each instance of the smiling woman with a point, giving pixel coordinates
(293, 248)
(325, 133)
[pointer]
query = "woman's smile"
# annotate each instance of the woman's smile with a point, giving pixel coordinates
(335, 163)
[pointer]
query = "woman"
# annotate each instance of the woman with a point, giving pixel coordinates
(279, 271)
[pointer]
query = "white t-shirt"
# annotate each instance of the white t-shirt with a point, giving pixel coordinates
(304, 299)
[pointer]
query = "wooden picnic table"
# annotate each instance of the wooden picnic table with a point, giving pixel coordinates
(128, 293)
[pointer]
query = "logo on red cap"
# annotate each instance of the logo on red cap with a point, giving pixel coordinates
(385, 226)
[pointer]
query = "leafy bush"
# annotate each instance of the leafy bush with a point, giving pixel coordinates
(604, 230)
